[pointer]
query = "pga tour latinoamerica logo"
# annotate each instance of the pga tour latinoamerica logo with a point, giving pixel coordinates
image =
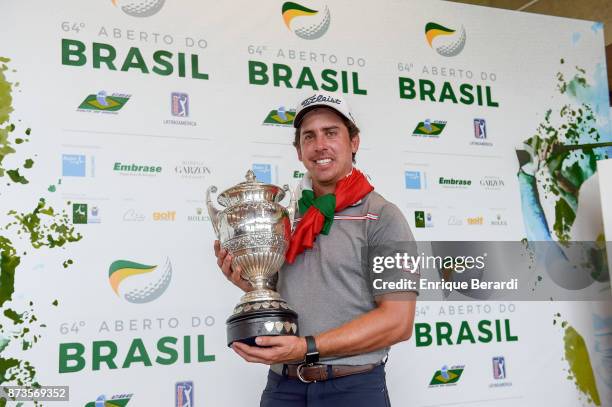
(445, 41)
(480, 128)
(142, 289)
(179, 104)
(305, 22)
(183, 394)
(499, 368)
(139, 8)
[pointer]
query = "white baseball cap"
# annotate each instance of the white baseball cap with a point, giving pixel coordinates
(322, 99)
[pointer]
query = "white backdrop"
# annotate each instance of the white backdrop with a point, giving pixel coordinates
(153, 215)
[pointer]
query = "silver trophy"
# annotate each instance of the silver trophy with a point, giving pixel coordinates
(255, 229)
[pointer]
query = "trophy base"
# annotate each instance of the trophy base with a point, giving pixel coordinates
(261, 318)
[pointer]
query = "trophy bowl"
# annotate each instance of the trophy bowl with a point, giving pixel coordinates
(255, 229)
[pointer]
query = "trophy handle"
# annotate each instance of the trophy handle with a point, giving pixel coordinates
(292, 208)
(212, 211)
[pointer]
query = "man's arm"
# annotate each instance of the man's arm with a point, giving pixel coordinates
(389, 323)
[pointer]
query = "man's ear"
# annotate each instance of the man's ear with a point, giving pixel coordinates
(299, 152)
(355, 143)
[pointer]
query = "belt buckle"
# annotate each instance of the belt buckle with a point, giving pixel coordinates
(299, 372)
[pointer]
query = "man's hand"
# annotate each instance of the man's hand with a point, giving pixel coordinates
(224, 261)
(278, 349)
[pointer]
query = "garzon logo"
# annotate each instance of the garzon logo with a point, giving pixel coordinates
(101, 102)
(192, 170)
(139, 8)
(143, 289)
(280, 117)
(447, 376)
(429, 128)
(304, 22)
(445, 41)
(492, 183)
(118, 400)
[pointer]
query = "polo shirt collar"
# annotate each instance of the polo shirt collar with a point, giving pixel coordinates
(306, 183)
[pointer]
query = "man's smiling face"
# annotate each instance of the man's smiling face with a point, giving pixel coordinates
(325, 148)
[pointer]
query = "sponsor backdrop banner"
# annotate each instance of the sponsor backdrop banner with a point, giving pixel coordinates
(604, 171)
(480, 124)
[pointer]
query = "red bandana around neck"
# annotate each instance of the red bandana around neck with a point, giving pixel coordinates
(349, 190)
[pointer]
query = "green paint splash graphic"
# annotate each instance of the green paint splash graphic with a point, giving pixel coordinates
(42, 227)
(565, 151)
(6, 128)
(580, 370)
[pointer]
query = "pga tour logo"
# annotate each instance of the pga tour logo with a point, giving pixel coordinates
(183, 394)
(179, 104)
(499, 368)
(480, 128)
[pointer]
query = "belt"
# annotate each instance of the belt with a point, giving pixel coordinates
(319, 372)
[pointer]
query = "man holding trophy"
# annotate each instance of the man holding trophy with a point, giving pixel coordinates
(345, 329)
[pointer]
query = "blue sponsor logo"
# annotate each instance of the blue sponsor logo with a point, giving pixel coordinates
(74, 165)
(263, 172)
(413, 180)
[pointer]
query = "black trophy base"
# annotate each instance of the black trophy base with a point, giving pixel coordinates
(257, 321)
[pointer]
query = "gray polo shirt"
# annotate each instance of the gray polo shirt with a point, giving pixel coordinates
(327, 285)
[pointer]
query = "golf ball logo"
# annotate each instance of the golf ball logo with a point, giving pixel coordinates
(305, 22)
(139, 8)
(140, 283)
(446, 41)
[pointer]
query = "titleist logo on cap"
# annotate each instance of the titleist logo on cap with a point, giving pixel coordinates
(320, 98)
